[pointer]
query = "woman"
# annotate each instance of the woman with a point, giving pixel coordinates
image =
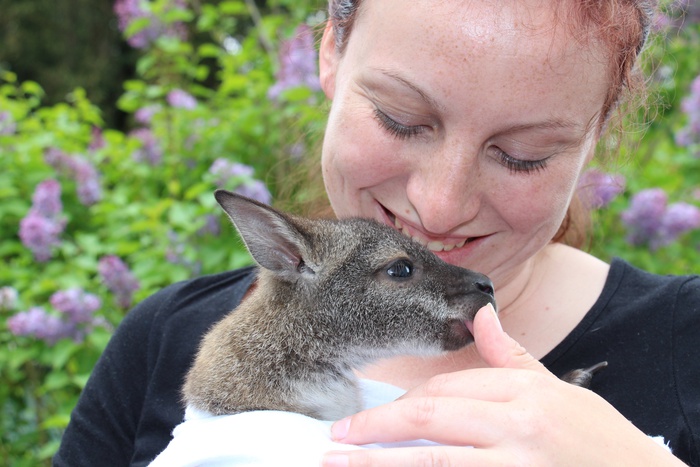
(465, 125)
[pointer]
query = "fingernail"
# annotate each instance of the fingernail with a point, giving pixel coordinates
(495, 316)
(340, 429)
(335, 459)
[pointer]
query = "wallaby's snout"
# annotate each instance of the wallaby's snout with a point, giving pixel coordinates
(466, 294)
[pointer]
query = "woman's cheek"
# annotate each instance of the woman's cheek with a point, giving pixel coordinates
(534, 202)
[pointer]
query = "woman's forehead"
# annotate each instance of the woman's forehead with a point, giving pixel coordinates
(474, 56)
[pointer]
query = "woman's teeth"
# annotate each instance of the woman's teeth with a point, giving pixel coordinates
(432, 245)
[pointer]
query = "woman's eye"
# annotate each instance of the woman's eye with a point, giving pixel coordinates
(400, 269)
(520, 165)
(395, 128)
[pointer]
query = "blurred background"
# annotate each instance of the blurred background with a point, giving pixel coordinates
(118, 119)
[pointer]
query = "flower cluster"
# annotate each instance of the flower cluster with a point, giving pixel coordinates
(651, 220)
(97, 139)
(298, 60)
(8, 298)
(690, 134)
(144, 115)
(150, 150)
(597, 189)
(175, 253)
(76, 317)
(41, 228)
(118, 279)
(180, 99)
(128, 11)
(233, 173)
(7, 124)
(81, 170)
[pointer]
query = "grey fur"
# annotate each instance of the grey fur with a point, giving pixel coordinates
(325, 304)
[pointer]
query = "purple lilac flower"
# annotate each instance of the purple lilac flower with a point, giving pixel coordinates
(678, 219)
(298, 60)
(118, 279)
(175, 253)
(88, 180)
(128, 11)
(47, 199)
(76, 305)
(644, 215)
(690, 134)
(36, 322)
(7, 124)
(181, 99)
(41, 228)
(256, 190)
(211, 226)
(8, 298)
(652, 221)
(97, 139)
(81, 170)
(229, 173)
(150, 151)
(597, 189)
(144, 115)
(40, 235)
(226, 170)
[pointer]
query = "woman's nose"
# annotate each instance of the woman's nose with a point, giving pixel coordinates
(447, 191)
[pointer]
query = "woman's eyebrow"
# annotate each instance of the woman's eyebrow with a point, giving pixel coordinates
(579, 130)
(553, 124)
(414, 87)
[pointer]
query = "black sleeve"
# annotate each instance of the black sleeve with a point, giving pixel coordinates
(103, 424)
(686, 370)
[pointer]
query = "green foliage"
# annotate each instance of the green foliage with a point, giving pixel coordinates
(154, 214)
(650, 158)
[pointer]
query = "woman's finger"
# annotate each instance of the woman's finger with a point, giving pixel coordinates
(445, 420)
(415, 457)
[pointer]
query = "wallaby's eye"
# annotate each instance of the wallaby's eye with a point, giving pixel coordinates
(400, 269)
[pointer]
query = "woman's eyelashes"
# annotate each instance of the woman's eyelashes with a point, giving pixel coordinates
(516, 165)
(396, 129)
(513, 164)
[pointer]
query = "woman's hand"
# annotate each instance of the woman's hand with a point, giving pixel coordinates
(514, 413)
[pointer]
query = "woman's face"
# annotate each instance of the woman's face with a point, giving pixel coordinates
(463, 124)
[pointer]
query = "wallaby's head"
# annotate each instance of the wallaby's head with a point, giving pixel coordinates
(361, 287)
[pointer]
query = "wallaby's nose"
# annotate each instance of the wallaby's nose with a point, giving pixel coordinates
(485, 285)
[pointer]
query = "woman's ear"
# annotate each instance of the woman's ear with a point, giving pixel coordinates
(328, 61)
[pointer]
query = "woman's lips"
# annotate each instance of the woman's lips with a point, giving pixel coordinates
(434, 245)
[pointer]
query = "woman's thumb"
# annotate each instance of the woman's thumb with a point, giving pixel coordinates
(497, 348)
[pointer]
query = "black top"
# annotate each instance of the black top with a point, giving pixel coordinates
(646, 326)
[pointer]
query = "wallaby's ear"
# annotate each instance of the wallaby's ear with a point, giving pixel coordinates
(271, 237)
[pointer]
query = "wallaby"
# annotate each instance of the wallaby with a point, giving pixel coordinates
(331, 296)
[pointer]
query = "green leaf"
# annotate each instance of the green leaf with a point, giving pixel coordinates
(136, 26)
(55, 380)
(178, 14)
(32, 88)
(233, 8)
(61, 352)
(208, 50)
(56, 421)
